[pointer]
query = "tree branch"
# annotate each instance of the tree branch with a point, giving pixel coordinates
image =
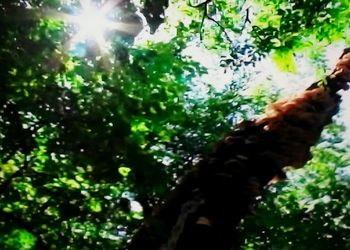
(246, 20)
(205, 14)
(223, 186)
(223, 30)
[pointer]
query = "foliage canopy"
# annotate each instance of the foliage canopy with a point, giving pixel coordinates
(87, 135)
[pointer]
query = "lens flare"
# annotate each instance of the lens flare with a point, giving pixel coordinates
(93, 24)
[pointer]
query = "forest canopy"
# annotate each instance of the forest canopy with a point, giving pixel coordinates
(106, 104)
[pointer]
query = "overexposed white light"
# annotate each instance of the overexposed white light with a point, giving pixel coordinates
(92, 23)
(95, 24)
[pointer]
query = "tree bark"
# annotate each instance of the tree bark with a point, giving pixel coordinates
(204, 210)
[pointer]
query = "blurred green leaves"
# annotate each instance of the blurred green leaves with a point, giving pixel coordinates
(299, 24)
(310, 207)
(82, 136)
(18, 239)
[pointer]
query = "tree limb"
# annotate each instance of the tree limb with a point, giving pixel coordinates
(246, 20)
(222, 188)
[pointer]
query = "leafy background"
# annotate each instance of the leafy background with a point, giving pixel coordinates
(88, 138)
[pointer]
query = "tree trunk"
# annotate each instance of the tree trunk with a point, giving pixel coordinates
(204, 211)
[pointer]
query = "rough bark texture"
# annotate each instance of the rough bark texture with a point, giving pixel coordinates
(205, 209)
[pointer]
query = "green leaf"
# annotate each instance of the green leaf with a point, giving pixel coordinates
(139, 126)
(95, 205)
(285, 61)
(124, 171)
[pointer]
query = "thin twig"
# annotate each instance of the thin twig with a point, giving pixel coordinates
(246, 20)
(223, 30)
(205, 14)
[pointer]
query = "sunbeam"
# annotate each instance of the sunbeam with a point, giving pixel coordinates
(93, 23)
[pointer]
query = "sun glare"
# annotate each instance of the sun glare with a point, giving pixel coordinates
(93, 24)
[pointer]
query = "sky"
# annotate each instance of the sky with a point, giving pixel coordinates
(267, 72)
(264, 72)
